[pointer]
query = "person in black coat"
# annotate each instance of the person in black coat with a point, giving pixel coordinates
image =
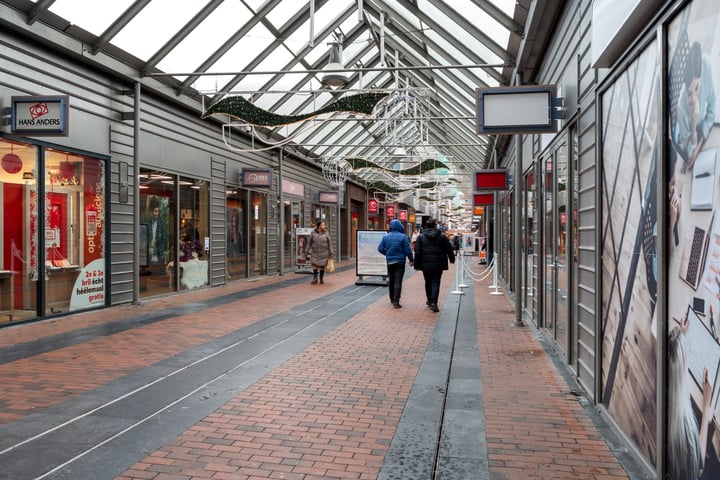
(432, 253)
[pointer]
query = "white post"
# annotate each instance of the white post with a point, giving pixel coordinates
(458, 267)
(462, 283)
(495, 285)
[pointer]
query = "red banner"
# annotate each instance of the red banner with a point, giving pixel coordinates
(491, 180)
(483, 199)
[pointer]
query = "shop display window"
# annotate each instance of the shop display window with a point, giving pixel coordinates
(18, 274)
(73, 230)
(53, 231)
(174, 233)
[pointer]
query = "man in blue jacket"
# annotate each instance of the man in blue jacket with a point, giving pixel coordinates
(396, 248)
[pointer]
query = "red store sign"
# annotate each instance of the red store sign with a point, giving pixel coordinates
(373, 206)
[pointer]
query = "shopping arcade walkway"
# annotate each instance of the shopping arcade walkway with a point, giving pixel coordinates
(277, 378)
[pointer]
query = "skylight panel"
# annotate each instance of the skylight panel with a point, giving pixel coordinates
(93, 16)
(209, 36)
(283, 12)
(507, 6)
(146, 34)
(247, 49)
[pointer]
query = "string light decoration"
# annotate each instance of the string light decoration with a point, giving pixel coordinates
(422, 167)
(335, 170)
(241, 109)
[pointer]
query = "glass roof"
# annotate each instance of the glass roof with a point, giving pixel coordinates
(429, 56)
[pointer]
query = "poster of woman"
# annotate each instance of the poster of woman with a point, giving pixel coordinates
(301, 255)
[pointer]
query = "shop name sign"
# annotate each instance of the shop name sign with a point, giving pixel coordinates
(40, 115)
(373, 206)
(328, 197)
(256, 178)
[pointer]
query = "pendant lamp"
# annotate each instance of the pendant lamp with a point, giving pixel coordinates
(11, 162)
(331, 78)
(67, 169)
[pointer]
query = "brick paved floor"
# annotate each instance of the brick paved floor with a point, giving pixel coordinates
(536, 428)
(331, 410)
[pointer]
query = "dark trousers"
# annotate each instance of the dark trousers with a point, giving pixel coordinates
(432, 285)
(396, 272)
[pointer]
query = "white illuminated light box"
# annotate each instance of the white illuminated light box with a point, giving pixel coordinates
(506, 110)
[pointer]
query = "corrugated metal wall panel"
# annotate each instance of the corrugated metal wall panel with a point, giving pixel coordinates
(122, 244)
(218, 228)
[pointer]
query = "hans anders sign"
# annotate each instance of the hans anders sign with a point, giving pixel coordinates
(40, 115)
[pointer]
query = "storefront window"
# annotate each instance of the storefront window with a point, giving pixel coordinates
(73, 230)
(53, 232)
(157, 228)
(194, 231)
(293, 219)
(258, 234)
(237, 234)
(18, 271)
(174, 236)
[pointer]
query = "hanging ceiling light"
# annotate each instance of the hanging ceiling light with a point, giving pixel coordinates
(11, 162)
(399, 152)
(335, 79)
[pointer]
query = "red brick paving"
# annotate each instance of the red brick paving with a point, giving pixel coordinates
(535, 428)
(331, 410)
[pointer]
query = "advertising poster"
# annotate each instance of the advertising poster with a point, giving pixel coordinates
(693, 344)
(369, 261)
(629, 283)
(156, 217)
(303, 238)
(89, 288)
(468, 242)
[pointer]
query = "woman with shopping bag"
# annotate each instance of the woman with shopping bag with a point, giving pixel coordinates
(321, 251)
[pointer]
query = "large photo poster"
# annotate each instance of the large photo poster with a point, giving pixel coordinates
(155, 215)
(629, 266)
(693, 349)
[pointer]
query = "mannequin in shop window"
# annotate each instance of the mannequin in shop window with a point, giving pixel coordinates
(190, 246)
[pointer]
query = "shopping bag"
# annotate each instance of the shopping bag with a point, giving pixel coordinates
(330, 266)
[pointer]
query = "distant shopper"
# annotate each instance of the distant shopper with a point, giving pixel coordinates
(396, 248)
(456, 243)
(415, 235)
(321, 250)
(432, 252)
